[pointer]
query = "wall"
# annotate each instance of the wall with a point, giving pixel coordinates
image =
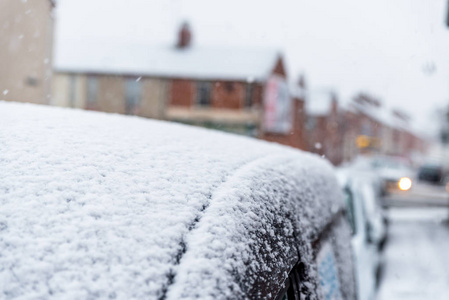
(228, 95)
(154, 98)
(182, 92)
(111, 94)
(61, 90)
(26, 31)
(326, 134)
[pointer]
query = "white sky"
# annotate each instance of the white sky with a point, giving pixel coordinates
(377, 46)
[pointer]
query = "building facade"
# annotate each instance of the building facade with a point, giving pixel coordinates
(220, 88)
(26, 30)
(324, 125)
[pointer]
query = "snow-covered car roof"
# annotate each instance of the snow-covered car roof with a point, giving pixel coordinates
(108, 206)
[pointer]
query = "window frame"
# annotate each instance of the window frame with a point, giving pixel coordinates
(133, 94)
(248, 101)
(203, 88)
(91, 91)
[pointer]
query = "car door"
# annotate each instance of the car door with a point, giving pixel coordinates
(364, 250)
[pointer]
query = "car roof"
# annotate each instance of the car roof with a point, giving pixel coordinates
(104, 205)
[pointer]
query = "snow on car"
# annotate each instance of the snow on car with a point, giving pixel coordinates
(107, 206)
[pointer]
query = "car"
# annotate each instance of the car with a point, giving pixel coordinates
(101, 206)
(396, 174)
(431, 172)
(369, 229)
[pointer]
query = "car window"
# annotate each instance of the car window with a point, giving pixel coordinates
(349, 199)
(291, 289)
(328, 276)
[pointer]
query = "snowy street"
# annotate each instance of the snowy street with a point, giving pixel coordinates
(416, 258)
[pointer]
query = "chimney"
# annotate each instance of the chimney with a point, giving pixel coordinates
(184, 36)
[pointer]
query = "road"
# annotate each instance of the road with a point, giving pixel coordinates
(416, 258)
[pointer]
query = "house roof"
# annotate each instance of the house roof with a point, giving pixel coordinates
(198, 62)
(384, 116)
(108, 206)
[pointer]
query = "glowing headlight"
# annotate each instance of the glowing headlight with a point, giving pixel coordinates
(405, 183)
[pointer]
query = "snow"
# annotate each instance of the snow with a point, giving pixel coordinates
(200, 62)
(416, 255)
(109, 206)
(318, 103)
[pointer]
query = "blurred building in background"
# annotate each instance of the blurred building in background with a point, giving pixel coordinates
(361, 127)
(240, 90)
(26, 42)
(291, 115)
(323, 125)
(364, 128)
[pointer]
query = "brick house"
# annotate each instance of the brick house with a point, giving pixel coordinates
(369, 128)
(26, 31)
(323, 125)
(217, 87)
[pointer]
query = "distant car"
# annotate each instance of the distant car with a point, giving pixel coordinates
(433, 173)
(396, 174)
(369, 230)
(98, 206)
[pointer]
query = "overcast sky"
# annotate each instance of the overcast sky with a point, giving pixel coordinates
(396, 50)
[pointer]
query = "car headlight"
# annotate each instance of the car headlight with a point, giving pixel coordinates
(405, 184)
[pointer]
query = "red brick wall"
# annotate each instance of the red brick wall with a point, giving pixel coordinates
(182, 92)
(326, 137)
(257, 98)
(223, 94)
(228, 94)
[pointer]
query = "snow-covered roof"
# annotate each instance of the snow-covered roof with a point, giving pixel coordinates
(199, 62)
(384, 116)
(318, 103)
(297, 92)
(96, 205)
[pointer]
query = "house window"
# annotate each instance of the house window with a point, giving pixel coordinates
(133, 93)
(31, 81)
(249, 95)
(366, 128)
(311, 123)
(72, 90)
(92, 90)
(229, 86)
(203, 93)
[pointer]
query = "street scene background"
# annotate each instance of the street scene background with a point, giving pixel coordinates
(347, 80)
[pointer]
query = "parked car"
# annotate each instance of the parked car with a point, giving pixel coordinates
(369, 229)
(98, 206)
(431, 172)
(396, 174)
